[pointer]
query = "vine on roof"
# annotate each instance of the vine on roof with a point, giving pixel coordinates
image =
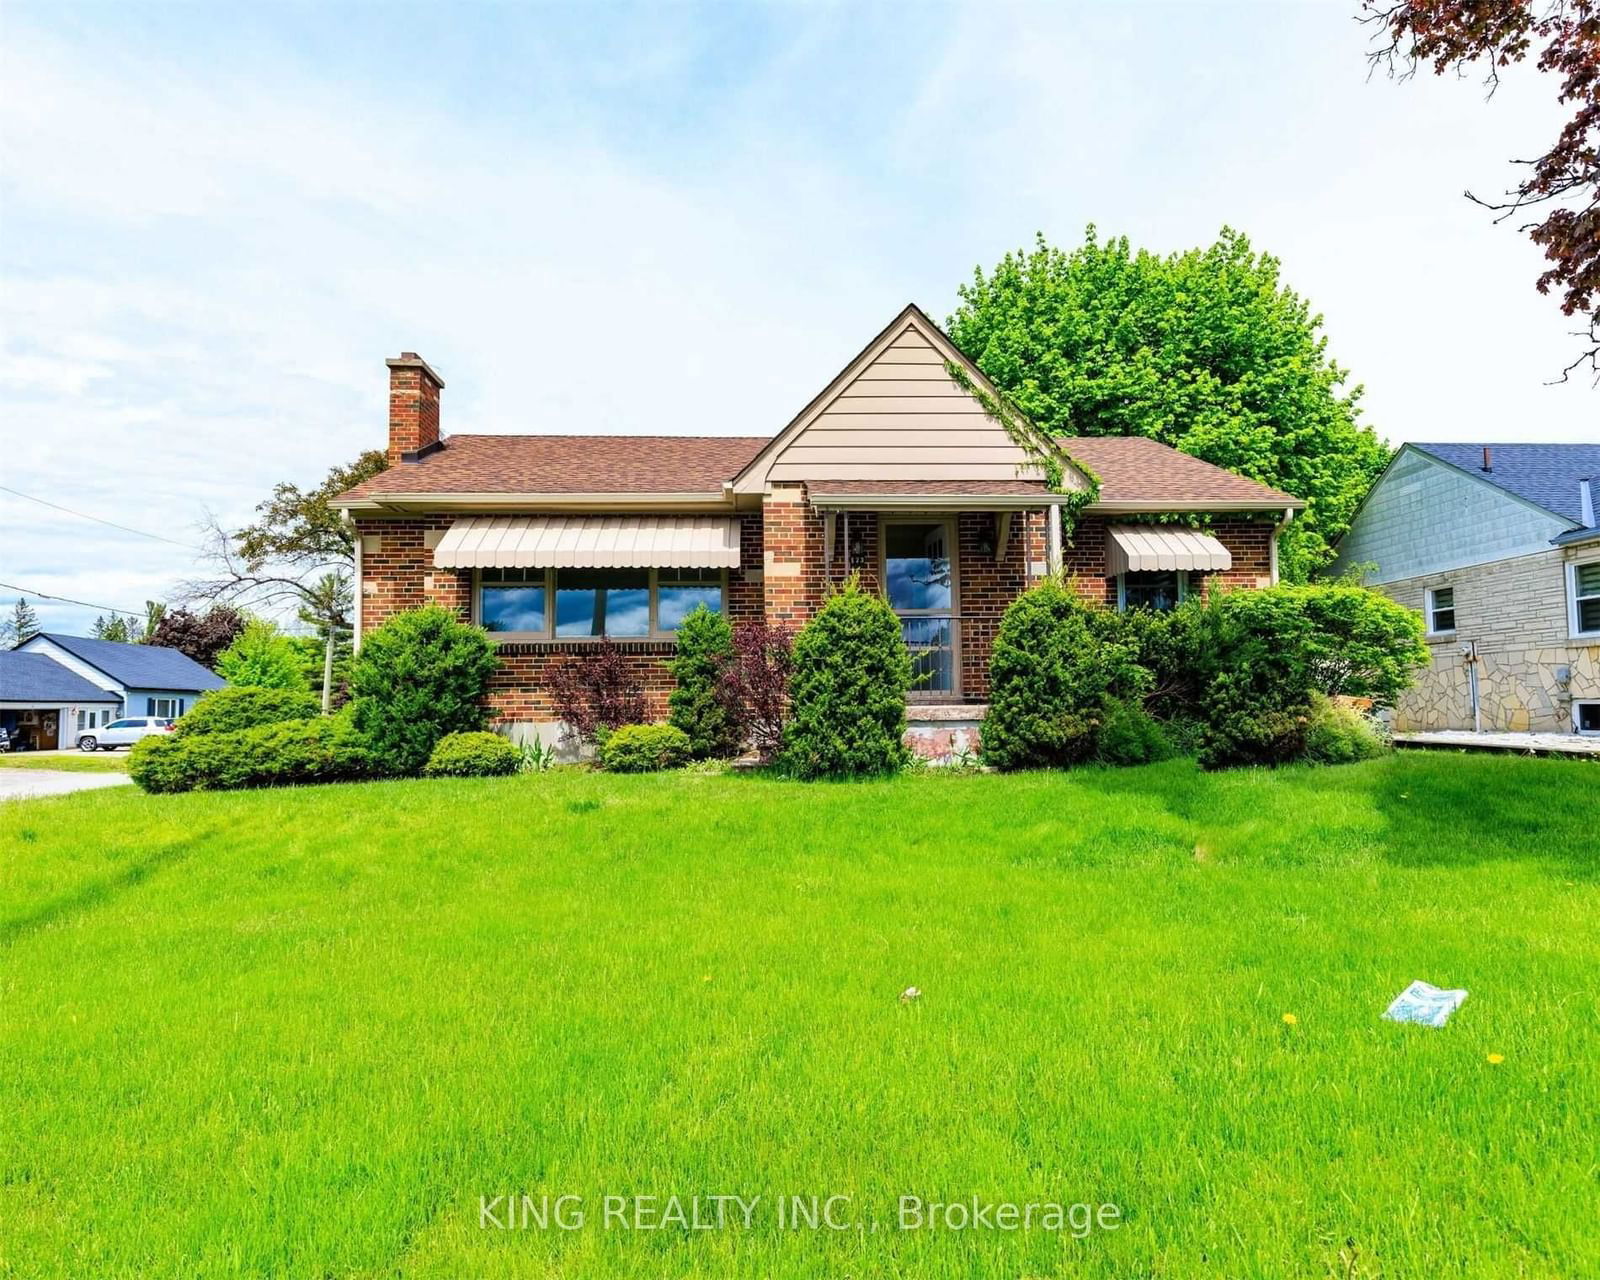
(1043, 450)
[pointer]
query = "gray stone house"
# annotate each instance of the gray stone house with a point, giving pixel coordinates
(1497, 546)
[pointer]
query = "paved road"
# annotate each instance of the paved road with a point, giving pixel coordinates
(20, 784)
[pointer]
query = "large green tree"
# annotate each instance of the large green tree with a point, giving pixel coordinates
(1206, 350)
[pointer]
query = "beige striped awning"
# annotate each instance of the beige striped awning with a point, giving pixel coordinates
(590, 542)
(1142, 548)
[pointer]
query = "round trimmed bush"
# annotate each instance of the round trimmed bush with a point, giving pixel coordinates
(704, 652)
(1052, 674)
(418, 677)
(472, 755)
(245, 707)
(848, 691)
(644, 748)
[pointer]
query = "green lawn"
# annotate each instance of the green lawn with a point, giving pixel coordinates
(99, 762)
(301, 1033)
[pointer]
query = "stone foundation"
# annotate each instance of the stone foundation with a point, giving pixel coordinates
(944, 735)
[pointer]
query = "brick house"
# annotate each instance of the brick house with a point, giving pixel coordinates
(1498, 547)
(895, 470)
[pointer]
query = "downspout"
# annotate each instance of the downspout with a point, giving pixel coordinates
(1288, 515)
(355, 643)
(1052, 542)
(1469, 651)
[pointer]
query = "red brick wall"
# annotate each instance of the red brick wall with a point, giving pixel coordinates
(398, 573)
(517, 691)
(1250, 542)
(987, 583)
(397, 570)
(746, 598)
(792, 548)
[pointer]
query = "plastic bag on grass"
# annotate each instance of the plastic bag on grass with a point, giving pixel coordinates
(1424, 1003)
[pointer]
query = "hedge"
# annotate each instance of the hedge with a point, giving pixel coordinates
(245, 707)
(327, 749)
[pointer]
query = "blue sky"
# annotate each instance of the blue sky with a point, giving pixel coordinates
(216, 222)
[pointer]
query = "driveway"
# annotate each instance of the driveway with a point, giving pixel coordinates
(22, 784)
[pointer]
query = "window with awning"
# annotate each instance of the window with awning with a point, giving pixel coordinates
(1154, 548)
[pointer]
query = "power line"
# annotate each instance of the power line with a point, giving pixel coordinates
(45, 595)
(84, 515)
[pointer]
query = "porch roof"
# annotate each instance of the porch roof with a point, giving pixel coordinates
(1143, 548)
(981, 495)
(590, 542)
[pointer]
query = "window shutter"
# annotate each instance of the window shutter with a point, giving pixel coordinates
(149, 706)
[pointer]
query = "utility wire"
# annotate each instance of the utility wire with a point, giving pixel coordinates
(84, 515)
(45, 595)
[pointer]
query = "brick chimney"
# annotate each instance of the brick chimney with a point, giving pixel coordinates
(413, 408)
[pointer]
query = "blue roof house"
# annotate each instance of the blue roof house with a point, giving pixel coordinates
(1498, 547)
(41, 702)
(145, 679)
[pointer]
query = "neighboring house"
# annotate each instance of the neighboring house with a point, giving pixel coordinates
(144, 679)
(1497, 546)
(41, 700)
(894, 471)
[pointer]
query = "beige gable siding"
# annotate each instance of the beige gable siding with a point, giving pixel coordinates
(902, 417)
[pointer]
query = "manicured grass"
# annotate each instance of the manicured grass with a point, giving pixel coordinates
(99, 762)
(301, 1033)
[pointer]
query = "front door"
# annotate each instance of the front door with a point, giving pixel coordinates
(919, 577)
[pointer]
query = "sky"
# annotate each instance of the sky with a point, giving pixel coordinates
(217, 221)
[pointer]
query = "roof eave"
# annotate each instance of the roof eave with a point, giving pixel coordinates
(1154, 506)
(933, 501)
(716, 500)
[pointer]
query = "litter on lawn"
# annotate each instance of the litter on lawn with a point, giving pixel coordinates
(1424, 1003)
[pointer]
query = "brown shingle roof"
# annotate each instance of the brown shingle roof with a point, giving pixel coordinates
(569, 464)
(1138, 469)
(1131, 469)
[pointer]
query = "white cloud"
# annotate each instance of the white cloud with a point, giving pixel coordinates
(685, 229)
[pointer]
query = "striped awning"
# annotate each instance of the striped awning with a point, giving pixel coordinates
(1143, 548)
(590, 542)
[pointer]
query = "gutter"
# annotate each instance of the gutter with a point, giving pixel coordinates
(1272, 547)
(1143, 507)
(933, 501)
(406, 502)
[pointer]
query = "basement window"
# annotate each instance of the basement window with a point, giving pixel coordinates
(1441, 610)
(1586, 718)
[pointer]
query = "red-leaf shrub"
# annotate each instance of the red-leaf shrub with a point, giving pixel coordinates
(755, 684)
(596, 692)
